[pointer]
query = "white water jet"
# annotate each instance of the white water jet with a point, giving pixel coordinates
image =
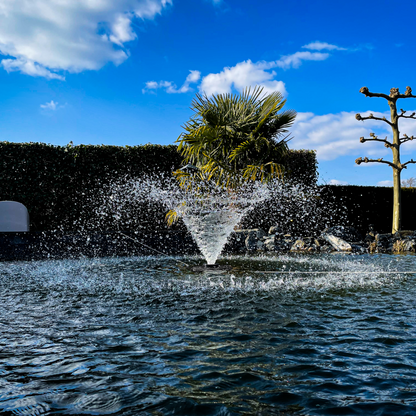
(211, 230)
(211, 212)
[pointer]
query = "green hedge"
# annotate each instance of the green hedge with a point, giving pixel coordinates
(63, 186)
(302, 166)
(361, 206)
(58, 184)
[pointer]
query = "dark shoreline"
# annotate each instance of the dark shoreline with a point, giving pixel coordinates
(37, 245)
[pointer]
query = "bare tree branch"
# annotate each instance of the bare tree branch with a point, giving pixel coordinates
(402, 115)
(371, 117)
(367, 160)
(375, 138)
(407, 94)
(393, 96)
(404, 165)
(395, 146)
(406, 138)
(367, 93)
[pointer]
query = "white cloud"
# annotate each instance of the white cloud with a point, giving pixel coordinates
(52, 105)
(295, 59)
(29, 68)
(337, 182)
(240, 76)
(121, 30)
(170, 87)
(385, 183)
(248, 73)
(335, 135)
(244, 74)
(319, 46)
(43, 37)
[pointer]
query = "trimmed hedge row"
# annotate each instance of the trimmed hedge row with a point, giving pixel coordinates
(57, 183)
(362, 206)
(63, 186)
(302, 166)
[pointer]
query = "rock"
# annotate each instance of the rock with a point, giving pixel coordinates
(383, 242)
(283, 244)
(369, 238)
(275, 230)
(253, 240)
(237, 242)
(269, 242)
(338, 243)
(299, 245)
(258, 232)
(403, 246)
(410, 246)
(349, 234)
(305, 244)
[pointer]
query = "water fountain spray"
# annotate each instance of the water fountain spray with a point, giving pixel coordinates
(210, 211)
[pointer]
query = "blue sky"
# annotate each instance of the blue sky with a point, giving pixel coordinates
(125, 72)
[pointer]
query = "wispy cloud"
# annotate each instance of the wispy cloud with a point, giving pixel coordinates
(248, 74)
(45, 37)
(29, 68)
(262, 73)
(51, 106)
(170, 87)
(337, 182)
(319, 46)
(385, 183)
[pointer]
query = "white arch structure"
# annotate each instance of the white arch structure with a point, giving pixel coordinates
(14, 217)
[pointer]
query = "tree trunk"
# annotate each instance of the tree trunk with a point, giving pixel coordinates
(397, 206)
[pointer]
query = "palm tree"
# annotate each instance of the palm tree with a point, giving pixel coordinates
(234, 137)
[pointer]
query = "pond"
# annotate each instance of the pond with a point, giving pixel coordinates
(307, 335)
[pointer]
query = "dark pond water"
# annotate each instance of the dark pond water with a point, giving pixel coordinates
(148, 336)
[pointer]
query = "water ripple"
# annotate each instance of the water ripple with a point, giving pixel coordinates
(148, 336)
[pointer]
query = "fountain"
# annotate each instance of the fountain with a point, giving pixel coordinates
(149, 335)
(209, 211)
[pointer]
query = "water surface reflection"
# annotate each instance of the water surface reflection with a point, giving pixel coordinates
(150, 336)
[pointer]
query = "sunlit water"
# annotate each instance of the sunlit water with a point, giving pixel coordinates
(148, 336)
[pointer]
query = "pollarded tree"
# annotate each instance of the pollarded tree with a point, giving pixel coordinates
(234, 136)
(394, 145)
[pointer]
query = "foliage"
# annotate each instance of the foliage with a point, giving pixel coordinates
(63, 185)
(60, 185)
(237, 136)
(301, 166)
(366, 205)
